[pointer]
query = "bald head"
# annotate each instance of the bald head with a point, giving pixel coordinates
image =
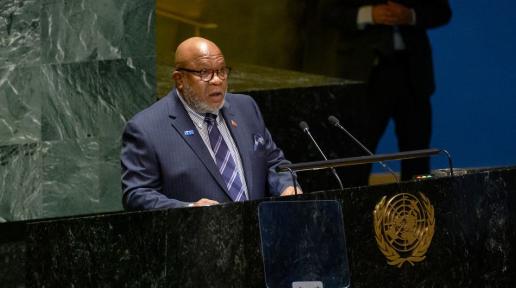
(194, 50)
(201, 74)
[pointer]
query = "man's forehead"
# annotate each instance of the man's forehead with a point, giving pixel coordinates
(204, 48)
(209, 59)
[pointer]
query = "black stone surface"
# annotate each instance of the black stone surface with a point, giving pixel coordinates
(219, 246)
(12, 254)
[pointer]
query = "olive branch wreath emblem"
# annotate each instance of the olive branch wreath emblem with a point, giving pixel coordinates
(417, 254)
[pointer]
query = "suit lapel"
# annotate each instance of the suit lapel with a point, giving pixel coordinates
(243, 141)
(181, 121)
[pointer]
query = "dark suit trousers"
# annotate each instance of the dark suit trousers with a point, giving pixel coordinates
(391, 95)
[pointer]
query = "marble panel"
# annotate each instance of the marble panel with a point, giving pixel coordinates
(139, 24)
(71, 109)
(12, 255)
(215, 256)
(20, 182)
(127, 86)
(21, 94)
(68, 32)
(110, 187)
(74, 31)
(20, 32)
(124, 28)
(127, 250)
(71, 177)
(472, 245)
(219, 246)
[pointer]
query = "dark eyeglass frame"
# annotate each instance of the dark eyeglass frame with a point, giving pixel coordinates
(207, 75)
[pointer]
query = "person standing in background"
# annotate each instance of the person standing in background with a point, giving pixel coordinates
(385, 44)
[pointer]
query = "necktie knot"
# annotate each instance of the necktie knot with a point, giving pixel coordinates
(210, 118)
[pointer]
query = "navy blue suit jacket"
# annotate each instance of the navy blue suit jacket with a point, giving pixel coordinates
(165, 165)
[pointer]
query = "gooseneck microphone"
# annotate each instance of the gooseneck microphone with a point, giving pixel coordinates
(335, 122)
(304, 126)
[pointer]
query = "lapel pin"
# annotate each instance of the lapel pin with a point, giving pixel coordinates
(189, 132)
(234, 123)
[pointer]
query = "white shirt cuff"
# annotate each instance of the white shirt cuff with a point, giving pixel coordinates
(365, 16)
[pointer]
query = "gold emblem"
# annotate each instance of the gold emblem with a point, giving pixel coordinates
(404, 227)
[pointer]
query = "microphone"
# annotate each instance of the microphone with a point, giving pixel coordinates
(335, 122)
(304, 126)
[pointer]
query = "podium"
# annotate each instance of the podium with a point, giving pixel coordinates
(220, 246)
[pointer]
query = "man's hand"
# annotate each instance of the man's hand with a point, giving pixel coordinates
(392, 14)
(290, 191)
(204, 202)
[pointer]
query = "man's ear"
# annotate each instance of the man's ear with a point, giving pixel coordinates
(178, 78)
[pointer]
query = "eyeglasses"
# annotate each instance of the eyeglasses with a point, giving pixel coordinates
(207, 74)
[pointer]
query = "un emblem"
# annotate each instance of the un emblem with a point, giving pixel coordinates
(404, 227)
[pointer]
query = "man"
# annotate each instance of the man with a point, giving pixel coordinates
(199, 145)
(385, 44)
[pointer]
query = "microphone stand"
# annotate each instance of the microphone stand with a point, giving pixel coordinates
(333, 120)
(304, 126)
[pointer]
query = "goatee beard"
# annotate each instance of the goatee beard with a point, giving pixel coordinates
(197, 104)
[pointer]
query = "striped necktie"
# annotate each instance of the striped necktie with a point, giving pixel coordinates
(224, 160)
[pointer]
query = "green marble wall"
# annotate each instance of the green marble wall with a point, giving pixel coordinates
(71, 73)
